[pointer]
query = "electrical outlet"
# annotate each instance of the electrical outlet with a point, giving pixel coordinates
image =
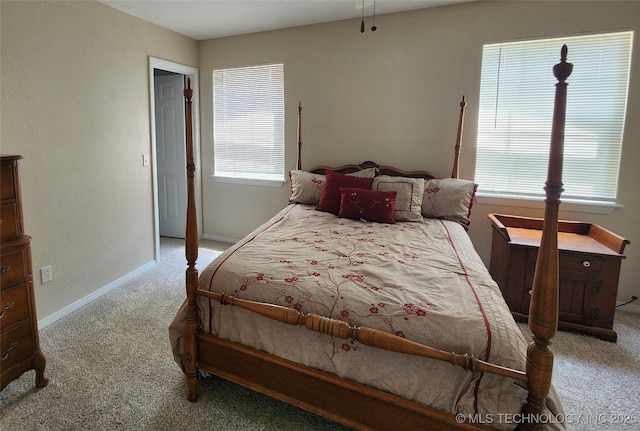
(46, 274)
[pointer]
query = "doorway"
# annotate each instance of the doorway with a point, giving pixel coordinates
(166, 81)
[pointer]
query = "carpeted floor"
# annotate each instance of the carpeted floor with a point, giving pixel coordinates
(110, 368)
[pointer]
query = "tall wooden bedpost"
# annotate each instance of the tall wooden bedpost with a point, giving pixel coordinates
(543, 311)
(455, 173)
(299, 164)
(191, 252)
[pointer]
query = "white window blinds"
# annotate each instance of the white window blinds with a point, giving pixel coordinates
(248, 122)
(516, 109)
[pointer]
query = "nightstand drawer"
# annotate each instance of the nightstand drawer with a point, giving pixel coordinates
(9, 227)
(580, 262)
(16, 345)
(14, 306)
(13, 263)
(575, 261)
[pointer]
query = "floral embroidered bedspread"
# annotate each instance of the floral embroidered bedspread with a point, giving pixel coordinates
(423, 281)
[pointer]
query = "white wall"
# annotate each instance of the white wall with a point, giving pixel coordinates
(75, 104)
(392, 97)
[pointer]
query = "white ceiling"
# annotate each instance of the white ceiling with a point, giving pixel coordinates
(207, 19)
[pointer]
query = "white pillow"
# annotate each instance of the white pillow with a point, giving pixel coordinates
(306, 187)
(449, 198)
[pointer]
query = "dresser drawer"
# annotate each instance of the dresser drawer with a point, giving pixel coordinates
(16, 345)
(13, 263)
(7, 186)
(9, 226)
(14, 306)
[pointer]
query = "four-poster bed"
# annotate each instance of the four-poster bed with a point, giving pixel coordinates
(315, 275)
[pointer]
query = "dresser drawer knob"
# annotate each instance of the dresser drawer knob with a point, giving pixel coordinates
(11, 347)
(586, 263)
(6, 308)
(5, 269)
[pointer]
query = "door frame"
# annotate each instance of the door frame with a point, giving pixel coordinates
(192, 73)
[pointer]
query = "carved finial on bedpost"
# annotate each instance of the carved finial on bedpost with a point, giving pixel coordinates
(563, 69)
(456, 158)
(543, 311)
(299, 164)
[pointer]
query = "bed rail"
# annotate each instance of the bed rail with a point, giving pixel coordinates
(365, 335)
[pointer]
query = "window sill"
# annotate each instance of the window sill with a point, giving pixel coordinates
(574, 205)
(249, 182)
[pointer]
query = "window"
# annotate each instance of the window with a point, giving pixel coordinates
(248, 122)
(517, 92)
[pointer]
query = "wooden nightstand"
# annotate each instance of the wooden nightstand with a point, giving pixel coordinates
(589, 270)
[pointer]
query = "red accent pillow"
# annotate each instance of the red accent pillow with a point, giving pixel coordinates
(369, 205)
(330, 197)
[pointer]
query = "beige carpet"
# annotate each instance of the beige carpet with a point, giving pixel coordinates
(110, 368)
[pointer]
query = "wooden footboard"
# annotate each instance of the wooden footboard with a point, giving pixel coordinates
(352, 403)
(341, 400)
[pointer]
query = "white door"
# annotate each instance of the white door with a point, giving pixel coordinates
(170, 154)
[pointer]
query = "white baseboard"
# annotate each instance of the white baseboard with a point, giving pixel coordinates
(94, 295)
(633, 307)
(220, 238)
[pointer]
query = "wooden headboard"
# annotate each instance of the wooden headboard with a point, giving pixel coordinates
(382, 170)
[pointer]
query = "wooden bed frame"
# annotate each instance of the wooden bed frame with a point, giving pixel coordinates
(349, 402)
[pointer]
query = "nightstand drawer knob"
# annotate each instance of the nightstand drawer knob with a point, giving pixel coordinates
(586, 263)
(5, 269)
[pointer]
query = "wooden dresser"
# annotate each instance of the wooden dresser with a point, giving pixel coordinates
(19, 341)
(589, 270)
